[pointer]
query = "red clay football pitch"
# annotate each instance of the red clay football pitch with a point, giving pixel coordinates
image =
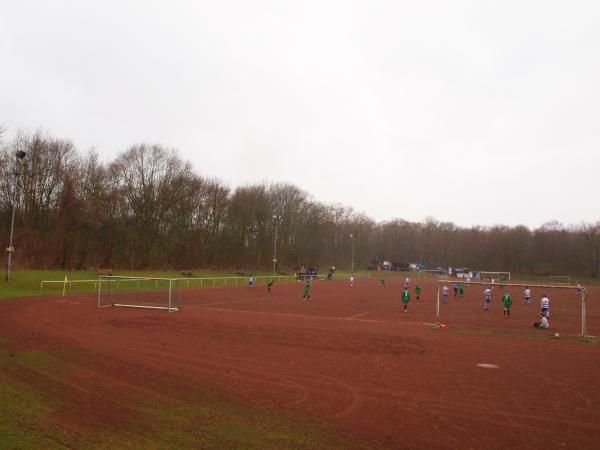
(350, 359)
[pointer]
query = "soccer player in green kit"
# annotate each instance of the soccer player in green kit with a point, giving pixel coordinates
(270, 285)
(418, 290)
(461, 291)
(507, 302)
(382, 281)
(405, 299)
(307, 287)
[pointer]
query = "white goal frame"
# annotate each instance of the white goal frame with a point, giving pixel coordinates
(496, 276)
(558, 278)
(172, 303)
(584, 328)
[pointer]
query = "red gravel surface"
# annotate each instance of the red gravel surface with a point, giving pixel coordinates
(349, 358)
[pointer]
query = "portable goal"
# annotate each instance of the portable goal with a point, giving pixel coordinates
(496, 276)
(568, 307)
(559, 279)
(139, 292)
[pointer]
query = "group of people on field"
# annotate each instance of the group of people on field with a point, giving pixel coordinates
(459, 290)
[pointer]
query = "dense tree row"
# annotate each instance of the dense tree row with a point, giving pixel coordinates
(148, 209)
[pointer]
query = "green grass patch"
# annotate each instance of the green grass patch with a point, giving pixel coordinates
(25, 410)
(28, 282)
(35, 392)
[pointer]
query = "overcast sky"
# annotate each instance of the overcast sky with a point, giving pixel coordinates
(476, 112)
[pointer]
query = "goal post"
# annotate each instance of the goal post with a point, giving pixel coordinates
(565, 298)
(559, 279)
(496, 276)
(139, 292)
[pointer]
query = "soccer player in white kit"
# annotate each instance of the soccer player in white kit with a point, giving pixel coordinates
(351, 280)
(487, 298)
(445, 293)
(407, 282)
(527, 296)
(545, 304)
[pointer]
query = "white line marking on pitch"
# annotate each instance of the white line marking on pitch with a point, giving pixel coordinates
(487, 366)
(237, 301)
(358, 315)
(309, 316)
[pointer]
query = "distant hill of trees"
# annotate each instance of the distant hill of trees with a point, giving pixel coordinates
(148, 209)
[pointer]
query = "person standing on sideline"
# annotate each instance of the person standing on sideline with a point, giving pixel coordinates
(405, 299)
(418, 291)
(251, 281)
(527, 294)
(545, 304)
(445, 293)
(307, 287)
(487, 298)
(507, 302)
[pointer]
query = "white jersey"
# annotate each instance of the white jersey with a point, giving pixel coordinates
(445, 290)
(407, 281)
(352, 280)
(545, 303)
(544, 323)
(487, 295)
(527, 293)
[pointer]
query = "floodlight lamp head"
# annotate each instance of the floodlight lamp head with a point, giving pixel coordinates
(21, 154)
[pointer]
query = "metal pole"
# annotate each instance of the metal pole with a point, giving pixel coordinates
(352, 236)
(10, 248)
(275, 249)
(99, 289)
(437, 306)
(583, 314)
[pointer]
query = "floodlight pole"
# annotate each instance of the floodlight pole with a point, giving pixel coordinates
(18, 156)
(352, 237)
(276, 222)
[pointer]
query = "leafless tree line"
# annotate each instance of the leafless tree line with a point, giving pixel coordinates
(148, 209)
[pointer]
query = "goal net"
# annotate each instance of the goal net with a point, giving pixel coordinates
(559, 279)
(470, 311)
(139, 292)
(496, 276)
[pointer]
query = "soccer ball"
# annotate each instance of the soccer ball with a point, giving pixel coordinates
(556, 335)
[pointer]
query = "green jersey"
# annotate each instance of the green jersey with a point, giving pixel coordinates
(461, 289)
(382, 280)
(306, 288)
(418, 289)
(270, 283)
(405, 297)
(507, 300)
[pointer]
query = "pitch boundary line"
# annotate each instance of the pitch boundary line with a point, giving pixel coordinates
(357, 315)
(308, 316)
(235, 301)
